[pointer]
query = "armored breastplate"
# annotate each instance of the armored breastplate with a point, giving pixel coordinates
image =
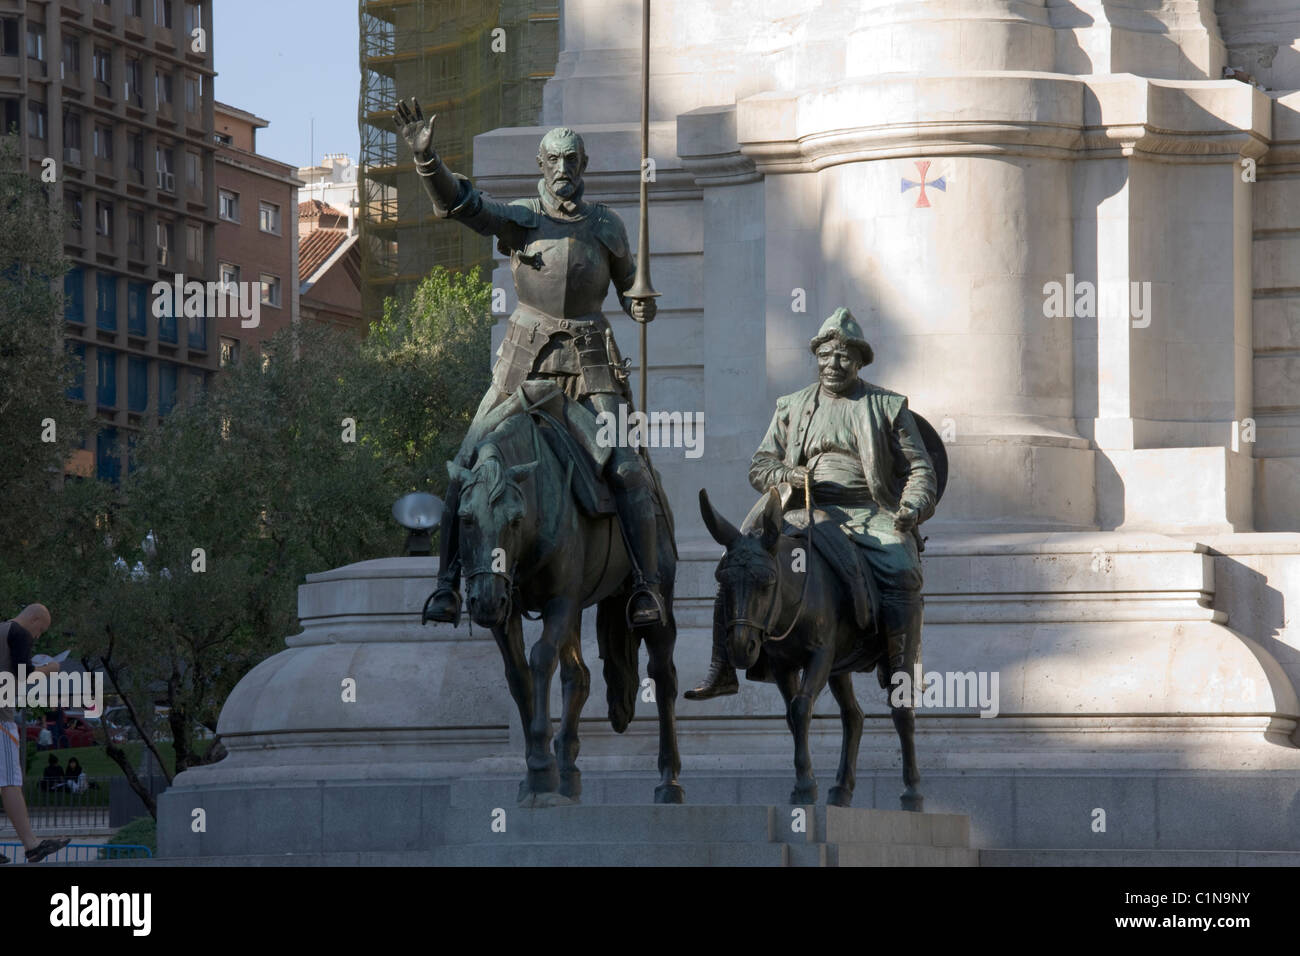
(564, 270)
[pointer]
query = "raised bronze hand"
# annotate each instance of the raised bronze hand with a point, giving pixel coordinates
(415, 129)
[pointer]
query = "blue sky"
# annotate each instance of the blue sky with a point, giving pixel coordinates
(289, 61)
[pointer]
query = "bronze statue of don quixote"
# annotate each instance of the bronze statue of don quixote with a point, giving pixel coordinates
(544, 519)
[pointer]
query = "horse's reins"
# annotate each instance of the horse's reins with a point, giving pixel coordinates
(774, 612)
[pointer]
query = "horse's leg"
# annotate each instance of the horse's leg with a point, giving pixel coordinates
(841, 794)
(661, 670)
(510, 641)
(576, 682)
(905, 724)
(558, 622)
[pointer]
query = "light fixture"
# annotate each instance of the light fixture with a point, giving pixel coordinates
(419, 513)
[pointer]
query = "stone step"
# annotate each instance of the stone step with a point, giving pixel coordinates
(1126, 858)
(696, 824)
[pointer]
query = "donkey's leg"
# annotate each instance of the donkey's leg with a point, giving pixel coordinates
(558, 622)
(815, 675)
(576, 682)
(841, 794)
(510, 641)
(661, 670)
(805, 784)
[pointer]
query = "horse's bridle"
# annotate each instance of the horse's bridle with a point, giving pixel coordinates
(774, 611)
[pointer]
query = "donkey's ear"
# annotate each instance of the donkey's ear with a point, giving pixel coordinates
(771, 521)
(456, 472)
(723, 531)
(517, 473)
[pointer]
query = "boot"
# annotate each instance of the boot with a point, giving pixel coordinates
(637, 513)
(443, 605)
(900, 626)
(721, 679)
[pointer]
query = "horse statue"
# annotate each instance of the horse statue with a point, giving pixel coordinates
(528, 545)
(801, 631)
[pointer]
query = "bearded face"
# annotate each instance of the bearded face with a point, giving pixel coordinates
(562, 167)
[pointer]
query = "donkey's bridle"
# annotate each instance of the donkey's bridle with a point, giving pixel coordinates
(774, 611)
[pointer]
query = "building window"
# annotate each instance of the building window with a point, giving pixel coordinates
(229, 351)
(162, 83)
(137, 309)
(106, 393)
(167, 331)
(162, 13)
(72, 201)
(103, 142)
(77, 390)
(106, 303)
(223, 139)
(107, 463)
(9, 115)
(72, 137)
(270, 290)
(268, 214)
(36, 117)
(71, 55)
(137, 383)
(194, 244)
(36, 41)
(229, 275)
(193, 17)
(74, 296)
(135, 8)
(194, 171)
(135, 156)
(135, 231)
(103, 218)
(193, 94)
(166, 169)
(166, 243)
(134, 80)
(103, 70)
(229, 205)
(198, 332)
(166, 387)
(8, 36)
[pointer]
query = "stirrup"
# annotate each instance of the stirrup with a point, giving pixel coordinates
(637, 591)
(426, 616)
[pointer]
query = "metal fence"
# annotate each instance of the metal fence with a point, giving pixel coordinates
(54, 805)
(83, 852)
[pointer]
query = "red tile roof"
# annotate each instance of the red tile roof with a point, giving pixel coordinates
(315, 248)
(314, 209)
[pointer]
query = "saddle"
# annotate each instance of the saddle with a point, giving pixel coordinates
(570, 430)
(836, 549)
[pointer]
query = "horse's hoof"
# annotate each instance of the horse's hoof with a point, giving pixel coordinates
(546, 780)
(804, 796)
(539, 801)
(571, 784)
(912, 800)
(840, 797)
(670, 793)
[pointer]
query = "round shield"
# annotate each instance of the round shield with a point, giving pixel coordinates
(938, 454)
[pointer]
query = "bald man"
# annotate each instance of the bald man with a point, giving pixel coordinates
(17, 636)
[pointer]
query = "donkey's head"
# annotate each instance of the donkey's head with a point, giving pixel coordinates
(494, 525)
(749, 579)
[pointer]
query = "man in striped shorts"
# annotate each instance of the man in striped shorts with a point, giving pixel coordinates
(16, 639)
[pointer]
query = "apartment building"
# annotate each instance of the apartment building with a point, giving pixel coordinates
(117, 98)
(256, 235)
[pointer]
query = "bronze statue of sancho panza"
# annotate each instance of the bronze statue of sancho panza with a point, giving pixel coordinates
(564, 253)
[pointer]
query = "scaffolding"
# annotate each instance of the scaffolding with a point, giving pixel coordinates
(441, 52)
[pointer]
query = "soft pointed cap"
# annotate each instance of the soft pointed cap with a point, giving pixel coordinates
(843, 326)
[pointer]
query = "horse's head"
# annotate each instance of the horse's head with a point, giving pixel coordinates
(749, 578)
(493, 520)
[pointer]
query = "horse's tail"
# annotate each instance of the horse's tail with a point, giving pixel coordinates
(618, 645)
